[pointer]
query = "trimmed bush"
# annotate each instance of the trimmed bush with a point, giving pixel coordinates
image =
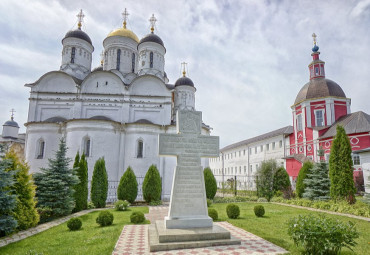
(99, 184)
(121, 205)
(213, 214)
(127, 188)
(210, 183)
(152, 185)
(74, 224)
(321, 235)
(232, 211)
(137, 217)
(105, 218)
(300, 186)
(259, 210)
(262, 200)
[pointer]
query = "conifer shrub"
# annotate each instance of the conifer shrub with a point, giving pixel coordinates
(300, 186)
(281, 180)
(152, 185)
(259, 210)
(105, 218)
(127, 188)
(209, 202)
(137, 217)
(213, 213)
(210, 183)
(121, 205)
(265, 179)
(99, 184)
(232, 211)
(81, 188)
(74, 224)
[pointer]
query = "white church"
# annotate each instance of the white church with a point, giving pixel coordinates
(115, 111)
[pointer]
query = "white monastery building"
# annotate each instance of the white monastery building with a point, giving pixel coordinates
(115, 111)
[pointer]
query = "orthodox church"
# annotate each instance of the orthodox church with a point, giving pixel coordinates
(115, 111)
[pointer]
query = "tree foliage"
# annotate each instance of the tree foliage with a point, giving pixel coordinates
(152, 185)
(127, 188)
(55, 184)
(340, 167)
(302, 175)
(265, 179)
(81, 189)
(281, 180)
(210, 183)
(25, 212)
(99, 184)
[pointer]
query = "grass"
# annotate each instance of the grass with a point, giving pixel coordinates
(273, 227)
(90, 239)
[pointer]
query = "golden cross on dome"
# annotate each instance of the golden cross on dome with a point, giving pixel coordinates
(12, 111)
(314, 38)
(80, 17)
(125, 15)
(183, 66)
(152, 20)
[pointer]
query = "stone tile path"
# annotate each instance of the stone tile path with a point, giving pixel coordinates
(134, 240)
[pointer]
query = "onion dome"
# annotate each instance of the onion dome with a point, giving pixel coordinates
(152, 37)
(184, 81)
(123, 31)
(11, 123)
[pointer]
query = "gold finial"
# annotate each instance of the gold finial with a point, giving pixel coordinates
(183, 67)
(80, 17)
(125, 15)
(12, 116)
(102, 57)
(152, 22)
(314, 39)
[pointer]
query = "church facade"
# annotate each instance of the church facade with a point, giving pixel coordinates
(115, 111)
(320, 106)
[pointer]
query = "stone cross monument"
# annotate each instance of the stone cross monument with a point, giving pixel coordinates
(188, 205)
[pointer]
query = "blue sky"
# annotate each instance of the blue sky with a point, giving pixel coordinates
(248, 59)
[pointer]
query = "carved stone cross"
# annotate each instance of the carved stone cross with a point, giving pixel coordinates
(188, 205)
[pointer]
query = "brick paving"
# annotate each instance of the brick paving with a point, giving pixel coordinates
(134, 240)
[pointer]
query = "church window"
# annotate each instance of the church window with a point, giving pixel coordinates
(133, 63)
(87, 147)
(280, 143)
(261, 148)
(80, 52)
(322, 70)
(151, 59)
(73, 55)
(316, 70)
(118, 59)
(273, 145)
(356, 159)
(245, 169)
(240, 170)
(299, 122)
(140, 146)
(267, 147)
(40, 149)
(319, 118)
(255, 150)
(243, 152)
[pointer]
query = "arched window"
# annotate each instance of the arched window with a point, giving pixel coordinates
(140, 146)
(73, 54)
(40, 149)
(118, 59)
(151, 59)
(87, 147)
(133, 63)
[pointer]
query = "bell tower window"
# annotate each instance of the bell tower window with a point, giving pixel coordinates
(319, 118)
(118, 59)
(40, 149)
(133, 63)
(151, 59)
(73, 55)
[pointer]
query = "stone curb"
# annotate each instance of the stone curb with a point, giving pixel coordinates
(325, 211)
(42, 227)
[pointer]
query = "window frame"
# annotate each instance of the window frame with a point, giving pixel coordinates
(140, 148)
(40, 149)
(299, 122)
(323, 117)
(118, 64)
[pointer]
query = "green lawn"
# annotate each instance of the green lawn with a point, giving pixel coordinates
(90, 239)
(273, 227)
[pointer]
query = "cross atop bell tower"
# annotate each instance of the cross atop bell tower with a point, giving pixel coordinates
(80, 17)
(125, 16)
(152, 21)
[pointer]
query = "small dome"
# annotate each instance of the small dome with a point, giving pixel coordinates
(55, 119)
(99, 68)
(78, 33)
(184, 81)
(152, 38)
(11, 123)
(315, 48)
(318, 88)
(125, 33)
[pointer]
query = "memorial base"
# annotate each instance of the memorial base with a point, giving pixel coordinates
(184, 222)
(163, 239)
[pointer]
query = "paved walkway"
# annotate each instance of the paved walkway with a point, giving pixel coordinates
(39, 228)
(134, 240)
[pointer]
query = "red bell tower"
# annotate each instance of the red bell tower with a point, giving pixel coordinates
(316, 67)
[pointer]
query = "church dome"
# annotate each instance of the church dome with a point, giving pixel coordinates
(184, 81)
(11, 123)
(99, 68)
(124, 32)
(318, 88)
(152, 38)
(78, 33)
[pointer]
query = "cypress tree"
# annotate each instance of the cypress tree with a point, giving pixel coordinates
(265, 178)
(210, 183)
(281, 180)
(317, 182)
(7, 200)
(152, 185)
(127, 188)
(81, 189)
(99, 184)
(340, 167)
(55, 184)
(302, 175)
(25, 212)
